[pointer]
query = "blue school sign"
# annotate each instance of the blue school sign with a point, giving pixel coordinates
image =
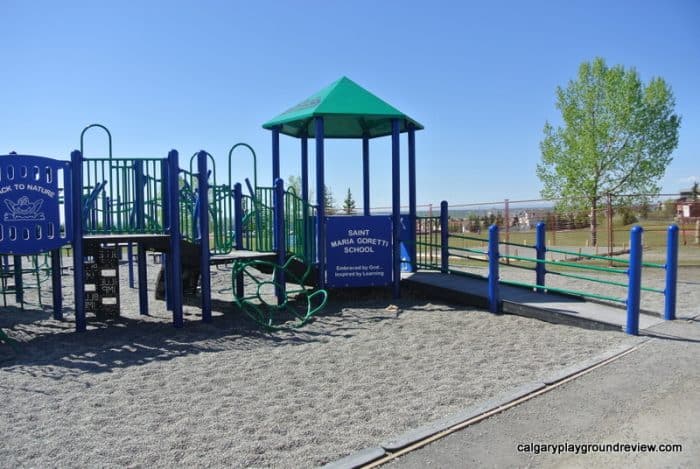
(358, 251)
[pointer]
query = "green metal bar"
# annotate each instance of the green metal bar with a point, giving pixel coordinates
(605, 258)
(469, 258)
(475, 251)
(563, 290)
(483, 240)
(516, 266)
(519, 245)
(568, 264)
(590, 279)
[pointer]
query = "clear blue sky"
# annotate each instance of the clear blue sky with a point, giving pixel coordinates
(480, 76)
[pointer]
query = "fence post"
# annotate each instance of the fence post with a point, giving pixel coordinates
(671, 273)
(635, 281)
(444, 239)
(493, 269)
(541, 250)
(279, 236)
(203, 202)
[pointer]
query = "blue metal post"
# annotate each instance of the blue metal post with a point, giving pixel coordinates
(635, 281)
(19, 285)
(444, 238)
(671, 273)
(175, 257)
(320, 209)
(275, 154)
(130, 256)
(541, 250)
(78, 252)
(280, 244)
(412, 195)
(203, 192)
(494, 297)
(365, 175)
(238, 215)
(140, 183)
(56, 284)
(107, 218)
(238, 227)
(305, 196)
(165, 264)
(396, 205)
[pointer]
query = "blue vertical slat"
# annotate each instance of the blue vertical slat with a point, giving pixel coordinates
(275, 154)
(280, 246)
(396, 206)
(56, 284)
(139, 183)
(635, 281)
(365, 176)
(305, 197)
(19, 283)
(238, 226)
(541, 250)
(671, 273)
(78, 251)
(320, 210)
(203, 193)
(494, 296)
(412, 195)
(175, 257)
(444, 238)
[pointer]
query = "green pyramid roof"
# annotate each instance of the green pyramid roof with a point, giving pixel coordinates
(348, 111)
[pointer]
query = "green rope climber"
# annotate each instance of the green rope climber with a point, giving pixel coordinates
(302, 303)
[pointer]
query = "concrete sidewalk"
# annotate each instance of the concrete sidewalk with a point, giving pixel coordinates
(649, 396)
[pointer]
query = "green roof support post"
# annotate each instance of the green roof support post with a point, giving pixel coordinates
(412, 195)
(365, 174)
(396, 205)
(305, 195)
(320, 209)
(275, 154)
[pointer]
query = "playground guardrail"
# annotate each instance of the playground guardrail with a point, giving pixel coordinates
(429, 244)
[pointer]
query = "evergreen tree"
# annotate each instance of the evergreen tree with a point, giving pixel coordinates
(349, 204)
(328, 201)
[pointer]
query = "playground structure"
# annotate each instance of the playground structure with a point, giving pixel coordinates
(196, 220)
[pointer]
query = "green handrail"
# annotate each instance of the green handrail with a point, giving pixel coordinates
(564, 290)
(605, 258)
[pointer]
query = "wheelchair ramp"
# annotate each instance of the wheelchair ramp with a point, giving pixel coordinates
(550, 307)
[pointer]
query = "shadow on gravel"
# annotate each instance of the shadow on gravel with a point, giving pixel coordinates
(49, 348)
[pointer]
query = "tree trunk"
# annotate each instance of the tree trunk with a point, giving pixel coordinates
(594, 222)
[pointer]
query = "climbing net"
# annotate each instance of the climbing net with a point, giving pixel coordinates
(300, 303)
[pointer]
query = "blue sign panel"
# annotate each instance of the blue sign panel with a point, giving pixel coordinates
(358, 251)
(30, 220)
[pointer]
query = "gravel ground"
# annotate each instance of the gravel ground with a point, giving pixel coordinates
(137, 392)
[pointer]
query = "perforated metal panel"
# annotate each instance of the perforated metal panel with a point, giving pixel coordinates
(33, 216)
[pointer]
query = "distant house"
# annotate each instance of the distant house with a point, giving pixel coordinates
(688, 205)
